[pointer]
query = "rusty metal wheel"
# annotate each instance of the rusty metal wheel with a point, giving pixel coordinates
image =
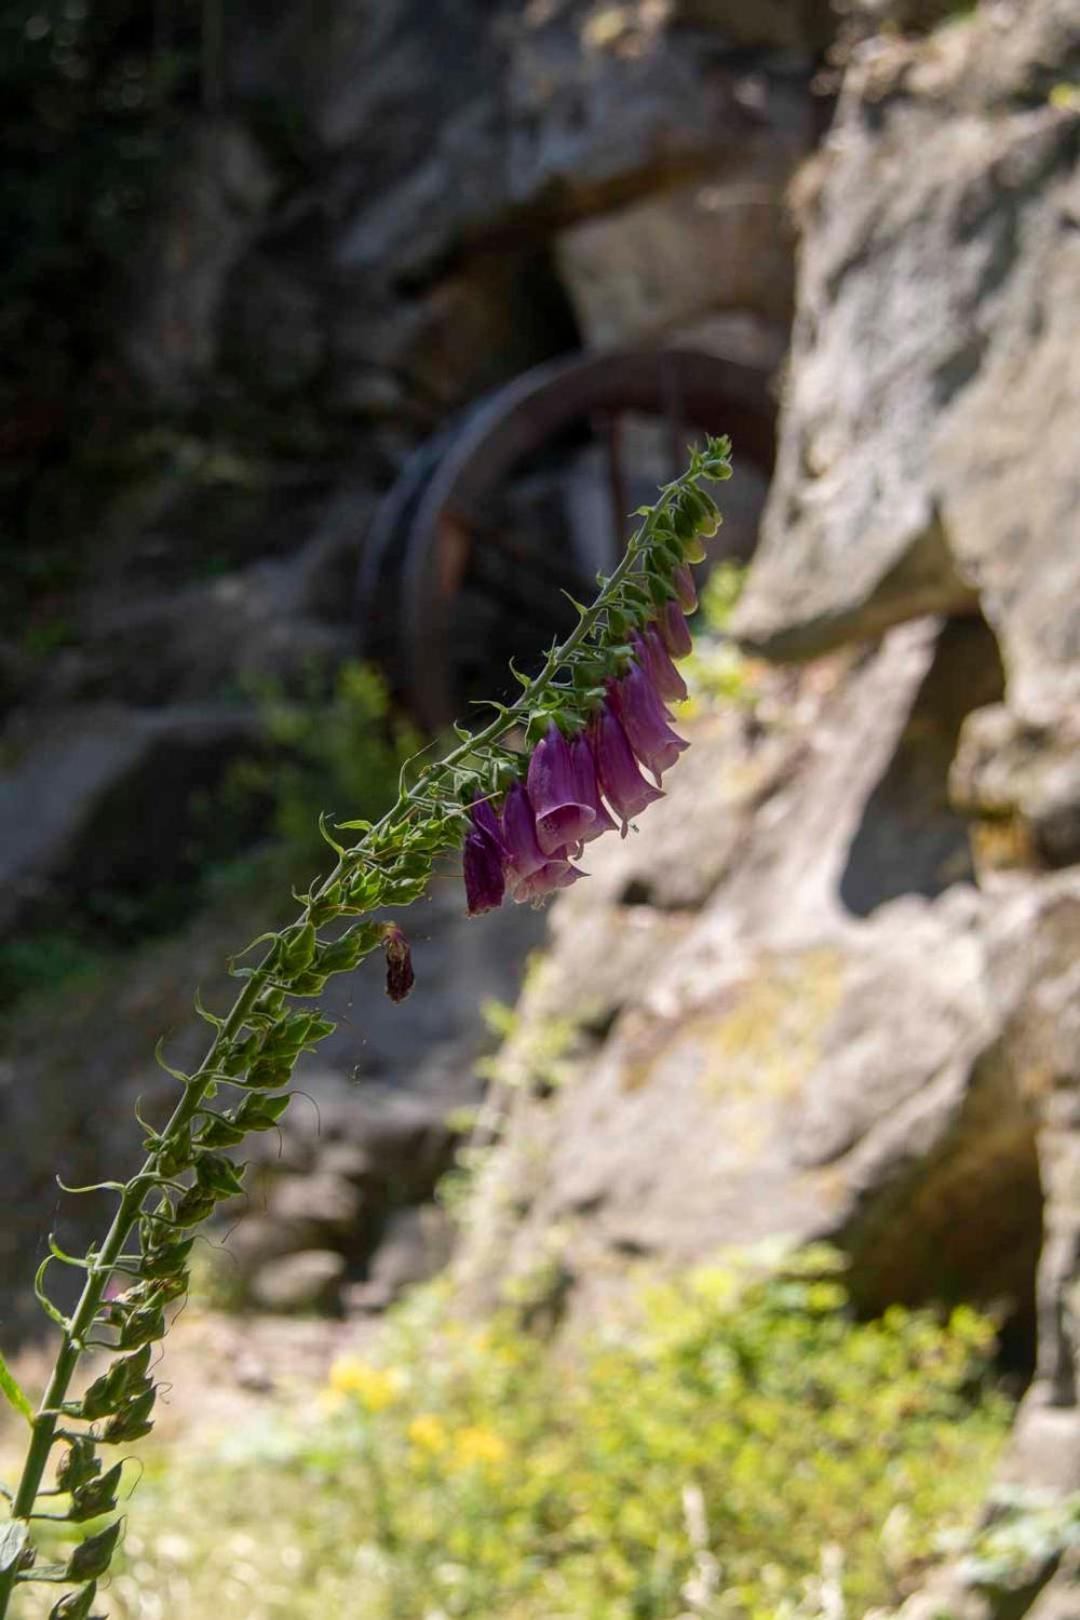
(459, 572)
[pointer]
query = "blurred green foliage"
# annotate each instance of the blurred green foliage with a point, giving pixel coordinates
(338, 752)
(46, 959)
(716, 670)
(697, 1459)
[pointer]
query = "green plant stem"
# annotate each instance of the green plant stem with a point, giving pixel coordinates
(81, 1321)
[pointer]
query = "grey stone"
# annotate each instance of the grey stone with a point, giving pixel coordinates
(75, 803)
(1024, 773)
(903, 486)
(779, 1063)
(217, 199)
(415, 1245)
(304, 1282)
(640, 271)
(328, 1202)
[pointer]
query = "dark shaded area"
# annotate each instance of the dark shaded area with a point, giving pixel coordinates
(912, 840)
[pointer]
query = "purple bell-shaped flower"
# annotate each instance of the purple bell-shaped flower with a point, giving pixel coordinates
(674, 633)
(562, 817)
(482, 860)
(524, 856)
(685, 589)
(588, 788)
(655, 660)
(551, 876)
(623, 785)
(645, 721)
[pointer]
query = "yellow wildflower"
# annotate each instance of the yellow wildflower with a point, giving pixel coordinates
(375, 1388)
(475, 1445)
(428, 1432)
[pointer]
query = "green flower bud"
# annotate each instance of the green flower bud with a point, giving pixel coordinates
(194, 1206)
(219, 1133)
(344, 954)
(619, 626)
(75, 1605)
(170, 1288)
(174, 1156)
(271, 1001)
(660, 591)
(269, 1072)
(98, 1496)
(310, 983)
(218, 1176)
(78, 1464)
(327, 905)
(240, 1054)
(141, 1327)
(131, 1422)
(91, 1557)
(259, 1113)
(296, 948)
(165, 1259)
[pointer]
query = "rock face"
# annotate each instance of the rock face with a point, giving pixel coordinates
(779, 1064)
(832, 988)
(928, 458)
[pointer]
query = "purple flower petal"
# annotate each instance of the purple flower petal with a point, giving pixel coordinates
(561, 816)
(486, 821)
(673, 630)
(588, 788)
(645, 721)
(482, 863)
(685, 589)
(624, 787)
(523, 853)
(551, 876)
(655, 659)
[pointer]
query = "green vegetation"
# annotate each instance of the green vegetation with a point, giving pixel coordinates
(706, 1457)
(716, 670)
(340, 752)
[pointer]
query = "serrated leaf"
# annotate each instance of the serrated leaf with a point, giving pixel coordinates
(11, 1389)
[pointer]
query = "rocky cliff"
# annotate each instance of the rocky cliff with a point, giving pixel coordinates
(832, 988)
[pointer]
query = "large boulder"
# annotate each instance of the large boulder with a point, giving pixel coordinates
(927, 460)
(737, 1038)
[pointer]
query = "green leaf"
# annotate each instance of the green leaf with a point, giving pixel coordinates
(13, 1538)
(15, 1395)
